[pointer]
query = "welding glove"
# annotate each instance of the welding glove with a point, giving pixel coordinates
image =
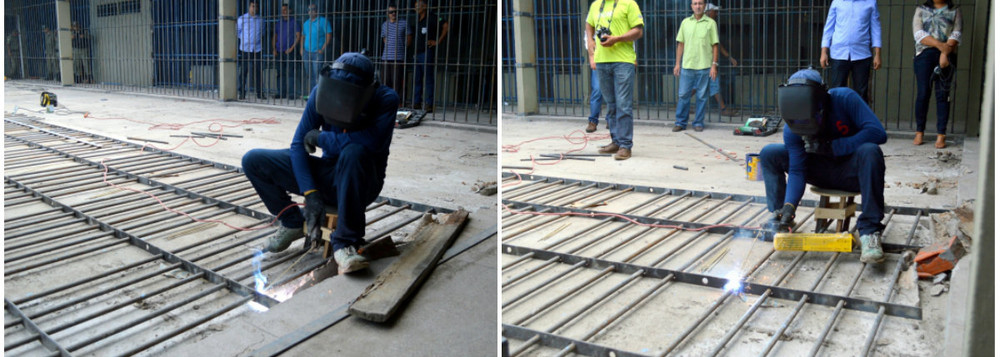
(819, 146)
(314, 215)
(781, 221)
(311, 140)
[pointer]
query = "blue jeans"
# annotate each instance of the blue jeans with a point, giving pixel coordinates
(863, 171)
(250, 62)
(423, 78)
(692, 80)
(347, 181)
(595, 101)
(923, 67)
(313, 62)
(616, 79)
(286, 80)
(858, 71)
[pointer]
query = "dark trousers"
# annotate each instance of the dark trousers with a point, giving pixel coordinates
(250, 62)
(393, 75)
(423, 78)
(923, 67)
(859, 72)
(348, 181)
(864, 172)
(286, 78)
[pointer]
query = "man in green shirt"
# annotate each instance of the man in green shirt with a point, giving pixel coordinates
(616, 24)
(697, 62)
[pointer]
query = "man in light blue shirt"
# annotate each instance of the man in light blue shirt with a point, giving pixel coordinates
(248, 30)
(316, 37)
(852, 37)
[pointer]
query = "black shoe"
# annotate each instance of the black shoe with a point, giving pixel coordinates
(278, 96)
(429, 108)
(243, 96)
(417, 106)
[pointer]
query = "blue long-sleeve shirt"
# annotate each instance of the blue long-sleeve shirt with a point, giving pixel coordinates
(375, 139)
(849, 124)
(852, 29)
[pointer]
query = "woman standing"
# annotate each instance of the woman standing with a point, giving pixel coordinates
(937, 30)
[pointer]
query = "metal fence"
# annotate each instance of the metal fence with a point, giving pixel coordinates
(171, 47)
(769, 42)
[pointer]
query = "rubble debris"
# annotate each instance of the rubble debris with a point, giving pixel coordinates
(485, 188)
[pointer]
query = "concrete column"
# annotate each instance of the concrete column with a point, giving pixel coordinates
(63, 24)
(585, 6)
(979, 324)
(227, 50)
(524, 54)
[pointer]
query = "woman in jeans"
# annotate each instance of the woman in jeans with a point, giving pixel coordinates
(937, 30)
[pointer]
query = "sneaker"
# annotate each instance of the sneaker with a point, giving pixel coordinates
(871, 248)
(678, 128)
(699, 128)
(283, 238)
(348, 260)
(591, 127)
(608, 149)
(623, 154)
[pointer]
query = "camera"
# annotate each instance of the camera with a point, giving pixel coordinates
(601, 32)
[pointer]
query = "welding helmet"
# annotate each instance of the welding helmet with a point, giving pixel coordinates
(801, 102)
(345, 88)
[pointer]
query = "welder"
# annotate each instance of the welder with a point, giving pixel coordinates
(350, 116)
(831, 140)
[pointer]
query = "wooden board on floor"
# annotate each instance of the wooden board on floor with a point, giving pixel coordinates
(402, 279)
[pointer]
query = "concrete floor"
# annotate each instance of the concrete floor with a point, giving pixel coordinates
(435, 164)
(657, 150)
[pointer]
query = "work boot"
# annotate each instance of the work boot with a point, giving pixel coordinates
(677, 128)
(919, 138)
(608, 149)
(623, 154)
(871, 248)
(348, 260)
(591, 127)
(283, 238)
(940, 143)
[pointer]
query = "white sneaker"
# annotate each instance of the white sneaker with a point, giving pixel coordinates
(348, 260)
(871, 248)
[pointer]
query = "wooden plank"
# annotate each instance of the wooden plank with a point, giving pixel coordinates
(402, 279)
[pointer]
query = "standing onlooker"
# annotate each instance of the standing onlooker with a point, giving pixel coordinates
(316, 37)
(595, 95)
(51, 54)
(394, 31)
(937, 30)
(249, 29)
(712, 11)
(81, 52)
(431, 31)
(852, 36)
(286, 38)
(697, 63)
(616, 28)
(13, 42)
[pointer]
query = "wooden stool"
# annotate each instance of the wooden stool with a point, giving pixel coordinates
(842, 210)
(327, 228)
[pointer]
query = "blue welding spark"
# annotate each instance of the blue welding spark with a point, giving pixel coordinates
(260, 281)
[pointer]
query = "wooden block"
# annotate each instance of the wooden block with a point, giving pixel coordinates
(834, 213)
(402, 279)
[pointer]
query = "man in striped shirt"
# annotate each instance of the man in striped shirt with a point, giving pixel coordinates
(394, 53)
(248, 29)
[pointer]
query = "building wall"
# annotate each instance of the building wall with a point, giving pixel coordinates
(122, 42)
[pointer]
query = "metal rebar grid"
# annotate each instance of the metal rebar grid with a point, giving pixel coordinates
(67, 218)
(582, 263)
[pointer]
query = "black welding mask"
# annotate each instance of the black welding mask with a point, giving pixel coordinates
(340, 100)
(801, 102)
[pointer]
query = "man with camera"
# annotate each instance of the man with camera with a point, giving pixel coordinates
(832, 141)
(697, 63)
(616, 24)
